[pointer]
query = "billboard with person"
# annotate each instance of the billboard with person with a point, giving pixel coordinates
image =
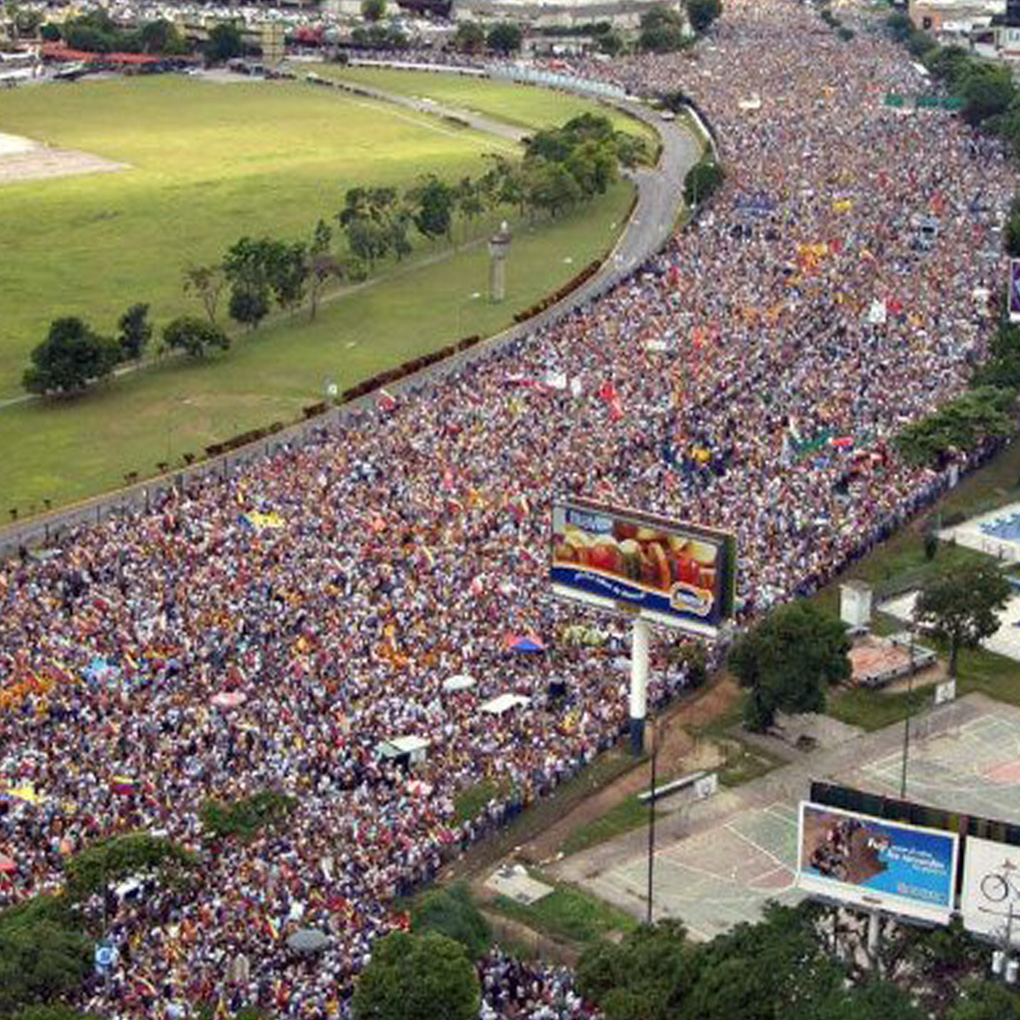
(678, 574)
(1014, 290)
(870, 862)
(990, 899)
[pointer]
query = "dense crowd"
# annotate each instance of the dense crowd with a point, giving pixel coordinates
(760, 366)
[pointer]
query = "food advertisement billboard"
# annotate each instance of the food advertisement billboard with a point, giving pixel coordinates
(869, 862)
(990, 901)
(672, 573)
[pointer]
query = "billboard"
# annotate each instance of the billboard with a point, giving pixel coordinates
(1014, 290)
(990, 900)
(677, 574)
(872, 863)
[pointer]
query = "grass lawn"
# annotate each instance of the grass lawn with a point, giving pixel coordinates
(209, 163)
(627, 815)
(568, 914)
(92, 245)
(526, 106)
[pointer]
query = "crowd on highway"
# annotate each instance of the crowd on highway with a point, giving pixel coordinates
(271, 630)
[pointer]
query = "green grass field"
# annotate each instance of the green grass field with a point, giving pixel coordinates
(212, 162)
(527, 106)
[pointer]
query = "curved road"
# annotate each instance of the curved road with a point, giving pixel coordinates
(660, 196)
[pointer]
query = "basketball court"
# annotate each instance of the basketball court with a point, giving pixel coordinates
(719, 861)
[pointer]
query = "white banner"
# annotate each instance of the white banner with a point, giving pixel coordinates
(991, 889)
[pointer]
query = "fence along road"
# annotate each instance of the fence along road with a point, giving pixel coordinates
(651, 223)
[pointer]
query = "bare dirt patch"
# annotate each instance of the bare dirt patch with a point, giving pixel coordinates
(23, 159)
(679, 752)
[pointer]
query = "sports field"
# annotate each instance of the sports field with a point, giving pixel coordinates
(208, 163)
(527, 106)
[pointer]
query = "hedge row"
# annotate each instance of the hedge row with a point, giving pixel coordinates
(407, 368)
(252, 436)
(571, 285)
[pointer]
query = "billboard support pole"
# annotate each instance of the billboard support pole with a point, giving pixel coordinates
(638, 685)
(873, 937)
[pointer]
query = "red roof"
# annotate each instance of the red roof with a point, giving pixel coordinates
(58, 51)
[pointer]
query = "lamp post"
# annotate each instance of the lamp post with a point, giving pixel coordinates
(651, 818)
(460, 312)
(906, 721)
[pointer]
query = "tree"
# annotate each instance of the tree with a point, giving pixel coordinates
(450, 911)
(470, 199)
(662, 31)
(963, 607)
(612, 44)
(988, 91)
(1002, 369)
(52, 1012)
(432, 202)
(777, 967)
(788, 660)
(70, 357)
(417, 977)
(224, 43)
(39, 962)
(469, 37)
(288, 273)
(323, 268)
(375, 223)
(701, 13)
(112, 860)
(208, 283)
(872, 1000)
(985, 1000)
(899, 26)
(160, 36)
(702, 181)
(248, 306)
(968, 423)
(254, 268)
(373, 10)
(135, 332)
(647, 976)
(551, 187)
(245, 817)
(193, 336)
(504, 37)
(593, 165)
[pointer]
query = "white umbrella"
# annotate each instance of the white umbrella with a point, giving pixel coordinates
(460, 682)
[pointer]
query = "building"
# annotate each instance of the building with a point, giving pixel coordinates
(954, 17)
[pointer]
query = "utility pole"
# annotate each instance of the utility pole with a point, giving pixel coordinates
(906, 721)
(651, 819)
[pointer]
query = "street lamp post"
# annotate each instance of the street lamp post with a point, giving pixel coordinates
(651, 818)
(906, 721)
(460, 312)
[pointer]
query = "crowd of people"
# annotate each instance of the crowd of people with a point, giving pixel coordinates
(271, 630)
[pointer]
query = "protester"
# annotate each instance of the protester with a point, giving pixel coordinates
(760, 368)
